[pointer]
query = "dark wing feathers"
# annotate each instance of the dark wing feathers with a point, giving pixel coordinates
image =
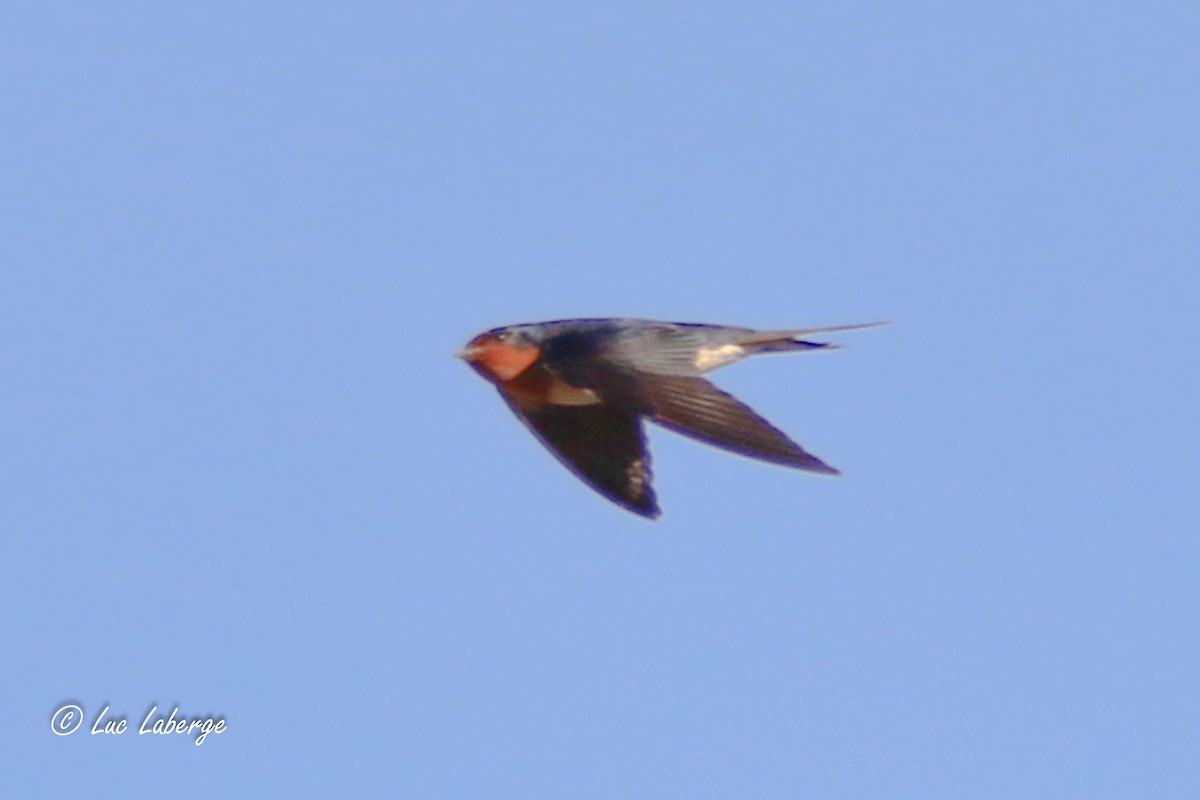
(603, 444)
(696, 408)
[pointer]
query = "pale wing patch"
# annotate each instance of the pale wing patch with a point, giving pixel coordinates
(562, 393)
(639, 477)
(708, 358)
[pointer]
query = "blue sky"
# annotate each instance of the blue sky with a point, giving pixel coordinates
(245, 477)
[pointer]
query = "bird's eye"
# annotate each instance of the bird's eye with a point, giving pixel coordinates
(503, 336)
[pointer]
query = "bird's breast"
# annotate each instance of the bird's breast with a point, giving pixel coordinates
(540, 386)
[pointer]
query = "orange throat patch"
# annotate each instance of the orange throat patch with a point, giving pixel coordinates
(501, 362)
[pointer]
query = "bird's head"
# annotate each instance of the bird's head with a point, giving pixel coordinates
(502, 354)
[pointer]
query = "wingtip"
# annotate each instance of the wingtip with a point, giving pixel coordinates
(810, 463)
(650, 512)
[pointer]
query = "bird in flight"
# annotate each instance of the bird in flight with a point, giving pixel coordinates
(583, 387)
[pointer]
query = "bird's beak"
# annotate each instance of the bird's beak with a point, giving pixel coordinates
(467, 353)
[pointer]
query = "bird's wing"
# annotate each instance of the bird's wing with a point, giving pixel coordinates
(694, 407)
(689, 349)
(603, 444)
(665, 348)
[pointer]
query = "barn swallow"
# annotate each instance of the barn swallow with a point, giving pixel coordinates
(583, 387)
